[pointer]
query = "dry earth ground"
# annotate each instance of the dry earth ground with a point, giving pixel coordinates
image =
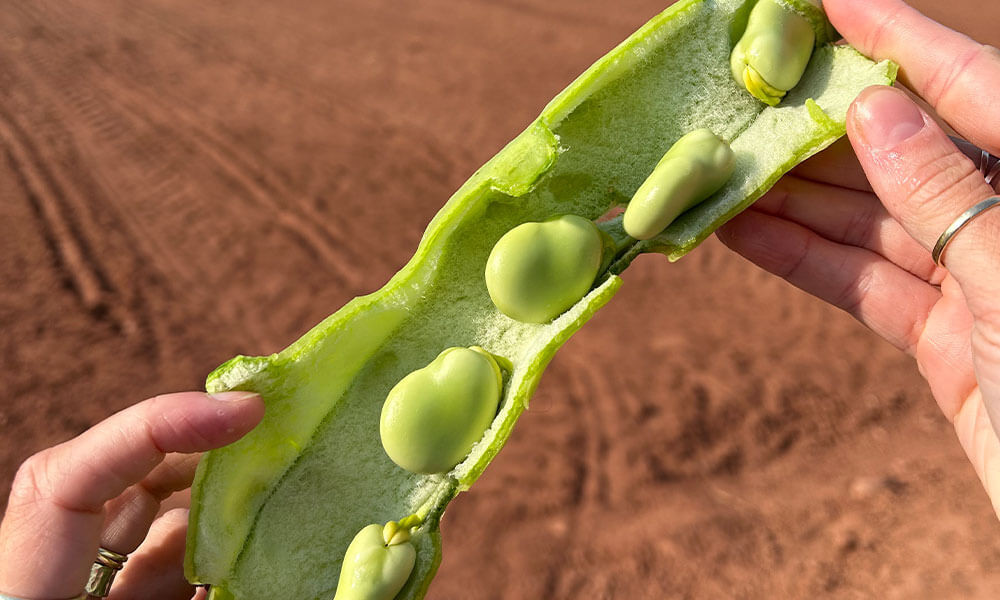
(182, 181)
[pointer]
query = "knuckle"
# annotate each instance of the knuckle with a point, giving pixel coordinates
(181, 430)
(861, 225)
(951, 175)
(946, 73)
(32, 481)
(852, 295)
(886, 27)
(792, 262)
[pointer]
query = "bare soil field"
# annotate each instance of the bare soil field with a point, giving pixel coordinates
(183, 181)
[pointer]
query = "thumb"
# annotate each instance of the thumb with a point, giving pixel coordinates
(925, 182)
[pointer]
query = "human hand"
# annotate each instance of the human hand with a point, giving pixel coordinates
(824, 229)
(104, 489)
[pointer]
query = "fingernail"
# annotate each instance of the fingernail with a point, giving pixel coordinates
(233, 396)
(887, 117)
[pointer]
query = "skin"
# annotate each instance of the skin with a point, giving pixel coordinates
(376, 568)
(537, 271)
(433, 416)
(857, 232)
(774, 51)
(694, 168)
(105, 487)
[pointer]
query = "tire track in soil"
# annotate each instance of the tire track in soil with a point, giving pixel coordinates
(596, 388)
(237, 167)
(301, 218)
(58, 208)
(582, 388)
(155, 267)
(101, 116)
(296, 218)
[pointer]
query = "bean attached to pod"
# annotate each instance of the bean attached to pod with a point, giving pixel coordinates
(378, 561)
(433, 416)
(694, 168)
(774, 51)
(537, 271)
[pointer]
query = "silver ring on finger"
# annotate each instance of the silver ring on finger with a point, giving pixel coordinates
(103, 572)
(988, 164)
(958, 224)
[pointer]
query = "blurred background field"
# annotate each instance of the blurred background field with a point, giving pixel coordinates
(183, 181)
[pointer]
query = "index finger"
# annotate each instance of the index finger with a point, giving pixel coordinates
(958, 76)
(51, 531)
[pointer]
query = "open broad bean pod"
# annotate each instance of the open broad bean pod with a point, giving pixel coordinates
(273, 515)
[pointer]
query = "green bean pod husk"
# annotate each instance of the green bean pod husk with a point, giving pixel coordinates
(273, 514)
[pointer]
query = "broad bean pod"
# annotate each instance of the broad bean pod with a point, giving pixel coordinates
(273, 515)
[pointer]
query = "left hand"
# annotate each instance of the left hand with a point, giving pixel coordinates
(104, 488)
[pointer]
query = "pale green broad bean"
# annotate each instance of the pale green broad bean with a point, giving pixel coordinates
(433, 416)
(774, 51)
(377, 562)
(694, 168)
(537, 271)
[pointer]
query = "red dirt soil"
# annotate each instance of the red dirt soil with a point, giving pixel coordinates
(184, 181)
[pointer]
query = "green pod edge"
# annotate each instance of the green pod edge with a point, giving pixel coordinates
(324, 392)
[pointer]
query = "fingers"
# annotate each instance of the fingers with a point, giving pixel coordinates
(925, 182)
(156, 570)
(836, 161)
(958, 76)
(890, 301)
(56, 509)
(129, 516)
(849, 217)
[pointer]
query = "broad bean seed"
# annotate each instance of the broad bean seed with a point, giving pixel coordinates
(694, 168)
(537, 271)
(774, 51)
(377, 563)
(434, 415)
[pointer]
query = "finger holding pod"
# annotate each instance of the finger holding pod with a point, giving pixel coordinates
(774, 51)
(694, 168)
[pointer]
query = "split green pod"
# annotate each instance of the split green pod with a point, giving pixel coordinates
(434, 415)
(273, 515)
(537, 271)
(774, 51)
(694, 168)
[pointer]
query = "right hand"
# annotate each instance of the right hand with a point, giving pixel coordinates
(859, 237)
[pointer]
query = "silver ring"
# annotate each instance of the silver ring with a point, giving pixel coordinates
(102, 573)
(959, 223)
(987, 164)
